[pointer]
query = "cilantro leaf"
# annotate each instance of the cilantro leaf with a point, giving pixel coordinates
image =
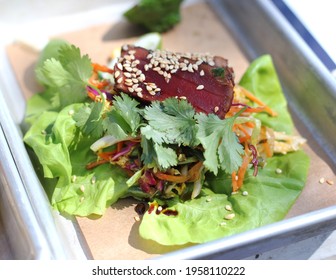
(157, 154)
(124, 118)
(222, 149)
(66, 76)
(88, 119)
(173, 120)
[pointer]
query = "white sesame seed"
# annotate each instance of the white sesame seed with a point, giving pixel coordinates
(229, 216)
(208, 199)
(137, 219)
(82, 188)
(222, 224)
(134, 80)
(245, 193)
(138, 89)
(190, 68)
(228, 207)
(200, 87)
(128, 69)
(149, 88)
(202, 72)
(146, 67)
(216, 109)
(322, 180)
(81, 199)
(120, 67)
(93, 180)
(116, 74)
(278, 171)
(139, 94)
(330, 182)
(119, 81)
(130, 89)
(71, 112)
(73, 178)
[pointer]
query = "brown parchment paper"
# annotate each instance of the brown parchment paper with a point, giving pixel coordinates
(115, 235)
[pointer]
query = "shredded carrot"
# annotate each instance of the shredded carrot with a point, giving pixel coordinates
(193, 175)
(95, 164)
(250, 124)
(171, 178)
(267, 149)
(102, 68)
(97, 83)
(119, 146)
(253, 98)
(234, 181)
(238, 177)
(106, 155)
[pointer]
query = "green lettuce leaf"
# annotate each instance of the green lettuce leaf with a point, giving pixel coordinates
(63, 152)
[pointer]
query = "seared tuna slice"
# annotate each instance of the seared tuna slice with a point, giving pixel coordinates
(205, 81)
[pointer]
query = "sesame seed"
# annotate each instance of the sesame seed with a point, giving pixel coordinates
(137, 219)
(93, 180)
(222, 224)
(119, 81)
(73, 178)
(116, 74)
(138, 72)
(131, 52)
(82, 188)
(134, 80)
(128, 75)
(149, 88)
(245, 193)
(229, 216)
(146, 67)
(139, 94)
(190, 68)
(200, 87)
(216, 109)
(278, 171)
(228, 207)
(322, 180)
(208, 199)
(120, 67)
(142, 77)
(71, 112)
(81, 199)
(130, 89)
(330, 182)
(138, 89)
(202, 72)
(129, 69)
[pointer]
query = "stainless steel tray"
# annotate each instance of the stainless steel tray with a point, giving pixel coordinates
(36, 232)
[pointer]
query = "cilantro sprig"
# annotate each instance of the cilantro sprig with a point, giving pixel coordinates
(66, 76)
